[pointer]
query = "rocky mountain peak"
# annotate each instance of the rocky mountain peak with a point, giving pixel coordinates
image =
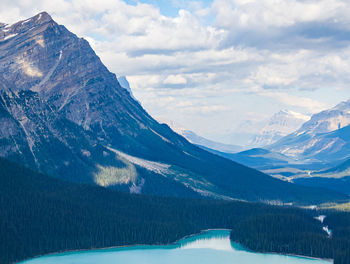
(64, 113)
(29, 24)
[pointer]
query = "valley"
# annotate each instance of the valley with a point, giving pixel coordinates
(67, 127)
(316, 154)
(88, 174)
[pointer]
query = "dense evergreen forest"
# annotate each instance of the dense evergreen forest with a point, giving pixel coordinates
(339, 223)
(291, 234)
(40, 214)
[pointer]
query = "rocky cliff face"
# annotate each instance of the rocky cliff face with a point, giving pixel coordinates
(46, 58)
(34, 134)
(62, 112)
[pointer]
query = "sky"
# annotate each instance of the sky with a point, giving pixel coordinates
(211, 66)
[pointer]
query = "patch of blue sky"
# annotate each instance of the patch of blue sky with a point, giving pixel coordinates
(170, 8)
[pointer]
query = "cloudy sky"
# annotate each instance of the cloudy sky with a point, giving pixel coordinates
(210, 65)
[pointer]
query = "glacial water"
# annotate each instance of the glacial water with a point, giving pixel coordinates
(210, 247)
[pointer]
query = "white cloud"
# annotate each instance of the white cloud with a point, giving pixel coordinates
(256, 57)
(295, 101)
(175, 79)
(278, 13)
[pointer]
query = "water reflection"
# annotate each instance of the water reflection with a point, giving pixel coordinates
(210, 247)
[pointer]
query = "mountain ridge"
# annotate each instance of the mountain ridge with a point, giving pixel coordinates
(82, 101)
(280, 124)
(311, 139)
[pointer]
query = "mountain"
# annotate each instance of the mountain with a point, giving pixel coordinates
(126, 85)
(202, 141)
(323, 138)
(63, 113)
(328, 120)
(279, 125)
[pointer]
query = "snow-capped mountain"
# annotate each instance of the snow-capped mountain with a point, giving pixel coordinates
(323, 137)
(62, 112)
(279, 125)
(328, 120)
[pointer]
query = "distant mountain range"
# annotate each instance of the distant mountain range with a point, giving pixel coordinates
(280, 124)
(202, 141)
(324, 138)
(63, 113)
(259, 132)
(317, 154)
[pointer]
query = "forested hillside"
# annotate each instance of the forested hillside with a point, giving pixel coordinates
(40, 214)
(292, 234)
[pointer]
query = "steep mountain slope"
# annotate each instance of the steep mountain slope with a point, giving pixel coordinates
(324, 147)
(33, 134)
(279, 125)
(65, 114)
(316, 139)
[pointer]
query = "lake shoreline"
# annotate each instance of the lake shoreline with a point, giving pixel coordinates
(171, 244)
(285, 254)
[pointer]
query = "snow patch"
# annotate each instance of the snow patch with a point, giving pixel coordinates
(324, 228)
(327, 230)
(320, 218)
(10, 36)
(26, 21)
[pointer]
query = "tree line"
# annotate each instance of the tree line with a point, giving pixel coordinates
(40, 215)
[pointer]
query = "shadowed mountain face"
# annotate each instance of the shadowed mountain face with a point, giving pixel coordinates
(64, 113)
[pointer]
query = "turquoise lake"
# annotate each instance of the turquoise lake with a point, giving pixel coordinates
(210, 247)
